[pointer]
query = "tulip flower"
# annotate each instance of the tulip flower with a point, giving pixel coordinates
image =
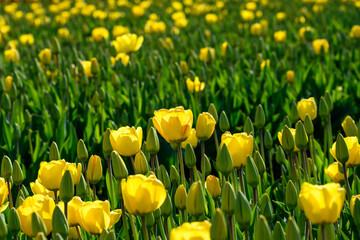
(50, 174)
(12, 54)
(334, 173)
(352, 203)
(240, 146)
(120, 56)
(280, 36)
(27, 39)
(192, 139)
(293, 131)
(322, 204)
(212, 185)
(207, 54)
(319, 44)
(194, 230)
(8, 83)
(354, 151)
(205, 126)
(38, 188)
(127, 43)
(265, 63)
(355, 31)
(100, 34)
(86, 65)
(63, 33)
(307, 107)
(74, 206)
(126, 140)
(256, 29)
(4, 192)
(195, 86)
(94, 170)
(137, 188)
(45, 56)
(224, 47)
(290, 76)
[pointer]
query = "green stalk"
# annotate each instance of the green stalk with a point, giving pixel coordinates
(94, 192)
(133, 227)
(123, 215)
(10, 194)
(162, 230)
(261, 143)
(323, 235)
(347, 185)
(203, 171)
(30, 144)
(181, 165)
(304, 159)
(242, 186)
(231, 228)
(216, 141)
(330, 137)
(145, 233)
(268, 156)
(111, 183)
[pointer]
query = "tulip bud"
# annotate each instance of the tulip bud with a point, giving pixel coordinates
(119, 167)
(6, 103)
(323, 108)
(266, 208)
(259, 117)
(45, 56)
(294, 114)
(251, 173)
(248, 126)
(95, 102)
(94, 66)
(288, 141)
(259, 162)
(174, 175)
(278, 232)
(48, 100)
(166, 208)
(141, 164)
(329, 101)
(25, 191)
(152, 141)
(184, 67)
(37, 224)
(309, 127)
(66, 187)
(18, 176)
(212, 110)
(59, 222)
(81, 188)
(14, 222)
(224, 122)
(219, 229)
(115, 81)
(262, 229)
(163, 176)
(342, 152)
(292, 230)
(118, 190)
(55, 114)
(268, 141)
(54, 152)
(102, 94)
(291, 195)
(19, 200)
(94, 169)
(301, 138)
(212, 185)
(224, 162)
(3, 227)
(190, 158)
(286, 121)
(195, 201)
(27, 117)
(82, 152)
(180, 197)
(228, 199)
(242, 210)
(106, 145)
(356, 215)
(150, 220)
(111, 236)
(6, 167)
(349, 127)
(17, 132)
(205, 162)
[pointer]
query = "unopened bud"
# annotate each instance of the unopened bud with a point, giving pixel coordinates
(259, 117)
(195, 201)
(54, 152)
(224, 162)
(119, 167)
(152, 141)
(224, 122)
(251, 172)
(180, 197)
(82, 152)
(219, 230)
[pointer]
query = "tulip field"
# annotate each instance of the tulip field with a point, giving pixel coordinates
(180, 120)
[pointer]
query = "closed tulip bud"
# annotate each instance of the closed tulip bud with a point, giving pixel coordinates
(219, 229)
(278, 232)
(37, 224)
(163, 176)
(248, 126)
(262, 229)
(95, 102)
(3, 227)
(205, 162)
(150, 220)
(195, 201)
(341, 151)
(14, 221)
(118, 190)
(286, 121)
(301, 138)
(184, 67)
(59, 222)
(141, 164)
(205, 126)
(291, 195)
(268, 141)
(228, 199)
(266, 208)
(329, 101)
(224, 162)
(118, 166)
(94, 66)
(280, 156)
(212, 110)
(292, 230)
(106, 144)
(323, 108)
(224, 122)
(242, 210)
(27, 117)
(152, 141)
(19, 200)
(145, 152)
(166, 207)
(25, 191)
(356, 212)
(45, 56)
(287, 140)
(66, 187)
(309, 127)
(349, 127)
(54, 152)
(48, 100)
(18, 176)
(17, 132)
(13, 92)
(190, 158)
(259, 162)
(102, 94)
(94, 169)
(82, 152)
(6, 167)
(81, 188)
(180, 197)
(6, 103)
(251, 172)
(212, 185)
(55, 112)
(174, 175)
(294, 114)
(259, 117)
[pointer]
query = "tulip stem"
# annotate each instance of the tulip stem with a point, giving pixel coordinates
(241, 181)
(311, 146)
(247, 234)
(30, 144)
(183, 216)
(78, 232)
(233, 172)
(330, 136)
(323, 235)
(111, 183)
(181, 165)
(216, 141)
(261, 143)
(308, 223)
(196, 173)
(133, 228)
(231, 228)
(132, 162)
(123, 215)
(166, 227)
(268, 156)
(162, 231)
(152, 162)
(56, 197)
(347, 185)
(255, 195)
(354, 179)
(145, 233)
(66, 209)
(304, 159)
(203, 170)
(10, 195)
(94, 192)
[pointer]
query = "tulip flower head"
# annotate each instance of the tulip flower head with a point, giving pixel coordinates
(319, 44)
(355, 32)
(307, 107)
(205, 126)
(280, 36)
(99, 34)
(127, 43)
(207, 54)
(293, 131)
(38, 188)
(4, 192)
(126, 140)
(194, 230)
(195, 86)
(352, 203)
(354, 151)
(334, 173)
(192, 139)
(12, 54)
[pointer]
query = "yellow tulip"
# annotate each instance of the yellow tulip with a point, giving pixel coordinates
(137, 188)
(74, 206)
(333, 172)
(281, 16)
(63, 32)
(50, 174)
(293, 131)
(352, 203)
(307, 107)
(303, 30)
(8, 83)
(94, 169)
(322, 204)
(195, 86)
(224, 48)
(99, 34)
(138, 11)
(211, 18)
(205, 126)
(189, 231)
(126, 140)
(280, 36)
(75, 171)
(43, 205)
(355, 31)
(207, 54)
(319, 44)
(247, 15)
(212, 185)
(12, 54)
(256, 29)
(45, 56)
(127, 43)
(38, 188)
(265, 63)
(354, 151)
(240, 145)
(13, 44)
(174, 124)
(96, 216)
(4, 192)
(27, 39)
(87, 68)
(290, 76)
(120, 30)
(120, 56)
(192, 139)
(73, 234)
